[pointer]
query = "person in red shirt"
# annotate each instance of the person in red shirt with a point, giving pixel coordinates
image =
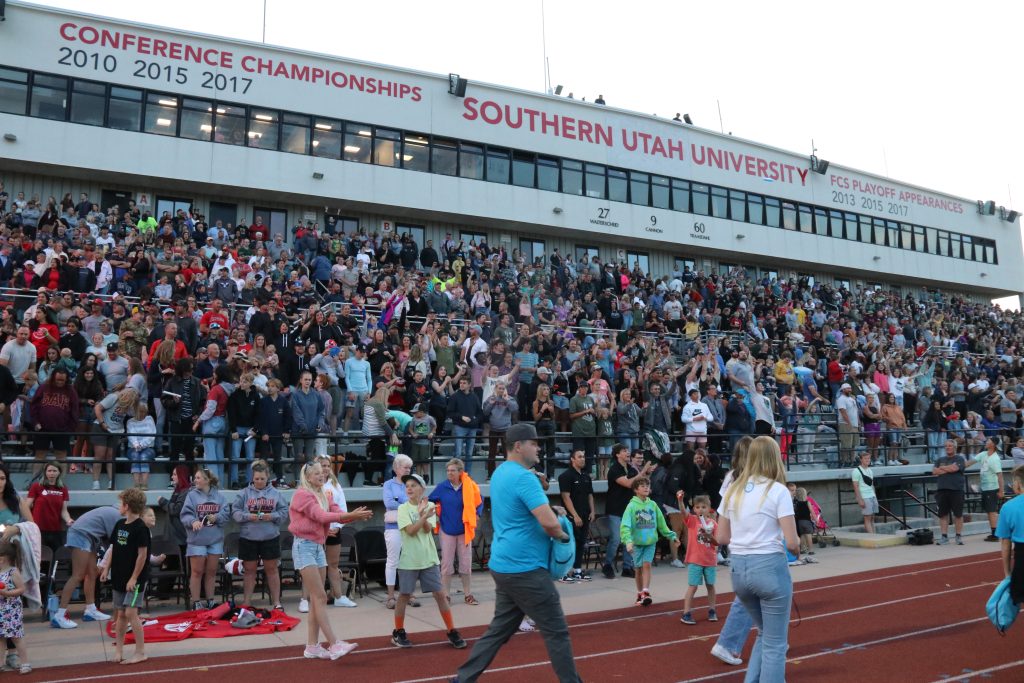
(214, 315)
(48, 500)
(170, 334)
(836, 375)
(42, 333)
(258, 231)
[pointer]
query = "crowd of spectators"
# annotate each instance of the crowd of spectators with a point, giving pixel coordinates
(226, 341)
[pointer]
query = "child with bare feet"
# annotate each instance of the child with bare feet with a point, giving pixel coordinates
(129, 572)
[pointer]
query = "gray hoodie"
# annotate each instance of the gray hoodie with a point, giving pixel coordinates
(253, 501)
(197, 506)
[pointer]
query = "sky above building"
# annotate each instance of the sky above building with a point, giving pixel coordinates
(917, 92)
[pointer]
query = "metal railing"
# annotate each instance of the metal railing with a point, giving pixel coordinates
(356, 451)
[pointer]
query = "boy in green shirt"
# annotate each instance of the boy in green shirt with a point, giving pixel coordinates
(642, 523)
(418, 561)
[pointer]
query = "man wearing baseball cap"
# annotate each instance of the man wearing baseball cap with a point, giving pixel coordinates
(848, 412)
(524, 524)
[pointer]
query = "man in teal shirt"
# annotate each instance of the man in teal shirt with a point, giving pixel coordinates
(524, 525)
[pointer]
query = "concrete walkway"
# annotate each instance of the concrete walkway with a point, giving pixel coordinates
(52, 647)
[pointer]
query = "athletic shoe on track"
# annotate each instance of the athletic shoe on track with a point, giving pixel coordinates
(344, 601)
(721, 653)
(992, 538)
(959, 539)
(712, 615)
(678, 564)
(639, 599)
(687, 619)
(943, 540)
(608, 571)
(60, 620)
(400, 639)
(456, 640)
(568, 578)
(316, 652)
(582, 576)
(647, 599)
(340, 649)
(303, 605)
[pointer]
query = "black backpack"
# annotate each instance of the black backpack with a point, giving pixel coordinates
(920, 537)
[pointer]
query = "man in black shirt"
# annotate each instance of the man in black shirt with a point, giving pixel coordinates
(578, 498)
(620, 491)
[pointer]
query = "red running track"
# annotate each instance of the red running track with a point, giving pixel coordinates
(921, 622)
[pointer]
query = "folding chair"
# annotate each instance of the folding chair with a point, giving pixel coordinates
(47, 569)
(170, 569)
(597, 543)
(372, 553)
(349, 562)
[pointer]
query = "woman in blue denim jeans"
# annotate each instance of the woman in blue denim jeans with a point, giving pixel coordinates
(737, 623)
(756, 519)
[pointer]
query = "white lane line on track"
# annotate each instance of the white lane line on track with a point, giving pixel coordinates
(670, 643)
(601, 622)
(852, 646)
(981, 672)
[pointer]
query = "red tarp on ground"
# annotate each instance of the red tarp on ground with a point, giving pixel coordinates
(206, 624)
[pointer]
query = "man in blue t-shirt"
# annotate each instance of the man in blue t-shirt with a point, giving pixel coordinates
(1010, 531)
(524, 525)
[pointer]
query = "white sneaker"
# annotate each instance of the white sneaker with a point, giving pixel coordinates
(60, 620)
(340, 649)
(721, 653)
(677, 563)
(93, 614)
(343, 601)
(303, 605)
(95, 486)
(316, 652)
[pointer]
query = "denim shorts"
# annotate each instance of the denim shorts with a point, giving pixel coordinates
(306, 553)
(201, 550)
(79, 541)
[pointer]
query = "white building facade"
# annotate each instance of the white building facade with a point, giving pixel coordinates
(237, 129)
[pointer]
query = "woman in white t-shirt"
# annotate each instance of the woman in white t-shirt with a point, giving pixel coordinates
(756, 519)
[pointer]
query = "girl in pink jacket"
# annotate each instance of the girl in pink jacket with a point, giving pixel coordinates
(312, 512)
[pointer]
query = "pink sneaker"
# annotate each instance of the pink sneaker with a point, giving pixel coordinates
(340, 649)
(316, 652)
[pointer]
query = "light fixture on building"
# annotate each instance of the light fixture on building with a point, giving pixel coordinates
(10, 137)
(983, 274)
(457, 85)
(817, 165)
(876, 258)
(687, 119)
(558, 90)
(987, 208)
(557, 209)
(317, 175)
(740, 236)
(1011, 216)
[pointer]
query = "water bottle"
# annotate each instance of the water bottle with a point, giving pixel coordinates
(52, 605)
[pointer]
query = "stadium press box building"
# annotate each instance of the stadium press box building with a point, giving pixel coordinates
(238, 129)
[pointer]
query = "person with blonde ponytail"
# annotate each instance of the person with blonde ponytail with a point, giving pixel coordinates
(756, 519)
(312, 512)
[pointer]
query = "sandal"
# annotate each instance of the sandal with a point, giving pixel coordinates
(413, 602)
(470, 600)
(390, 604)
(279, 607)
